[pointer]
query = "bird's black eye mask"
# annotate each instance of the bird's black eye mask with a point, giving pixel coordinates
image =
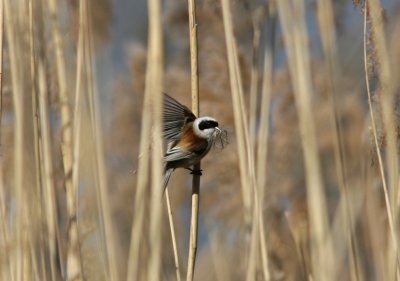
(207, 124)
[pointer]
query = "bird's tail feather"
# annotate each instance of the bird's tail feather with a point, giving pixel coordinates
(167, 175)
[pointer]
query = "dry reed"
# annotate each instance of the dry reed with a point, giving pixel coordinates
(296, 37)
(299, 175)
(196, 110)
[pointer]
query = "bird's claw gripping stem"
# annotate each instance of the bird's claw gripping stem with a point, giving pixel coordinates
(195, 172)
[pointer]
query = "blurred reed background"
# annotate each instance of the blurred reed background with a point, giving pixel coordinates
(307, 189)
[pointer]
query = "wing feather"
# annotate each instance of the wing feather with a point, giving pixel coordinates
(176, 154)
(175, 116)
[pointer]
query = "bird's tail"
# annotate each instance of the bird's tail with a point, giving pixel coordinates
(167, 175)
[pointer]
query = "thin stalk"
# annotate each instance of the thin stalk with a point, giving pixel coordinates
(74, 262)
(235, 99)
(328, 37)
(263, 136)
(173, 235)
(151, 108)
(259, 225)
(48, 173)
(388, 120)
(35, 119)
(297, 232)
(74, 265)
(74, 270)
(219, 258)
(35, 270)
(155, 79)
(292, 15)
(142, 182)
(254, 78)
(8, 273)
(195, 109)
(1, 62)
(18, 105)
(100, 169)
(66, 120)
(246, 163)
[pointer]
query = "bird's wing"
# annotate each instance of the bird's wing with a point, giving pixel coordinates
(175, 116)
(177, 153)
(167, 175)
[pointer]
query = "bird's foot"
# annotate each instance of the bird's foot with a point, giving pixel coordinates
(195, 172)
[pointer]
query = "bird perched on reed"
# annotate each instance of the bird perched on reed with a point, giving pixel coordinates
(189, 137)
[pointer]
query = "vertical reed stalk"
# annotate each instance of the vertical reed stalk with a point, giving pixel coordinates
(195, 109)
(173, 235)
(326, 25)
(246, 163)
(371, 112)
(35, 107)
(237, 92)
(48, 172)
(66, 120)
(292, 17)
(142, 182)
(246, 156)
(4, 226)
(151, 108)
(1, 62)
(239, 130)
(99, 169)
(256, 22)
(74, 262)
(387, 91)
(220, 260)
(6, 272)
(74, 270)
(18, 105)
(263, 136)
(154, 81)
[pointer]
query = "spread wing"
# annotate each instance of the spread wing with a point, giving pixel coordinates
(176, 154)
(182, 151)
(175, 116)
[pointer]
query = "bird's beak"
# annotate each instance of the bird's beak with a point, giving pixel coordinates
(218, 129)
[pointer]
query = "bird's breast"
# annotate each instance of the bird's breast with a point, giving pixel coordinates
(192, 142)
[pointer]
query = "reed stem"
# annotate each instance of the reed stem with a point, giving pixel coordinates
(195, 108)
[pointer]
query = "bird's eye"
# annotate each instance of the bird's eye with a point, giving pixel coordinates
(207, 124)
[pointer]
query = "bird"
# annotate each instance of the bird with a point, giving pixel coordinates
(189, 138)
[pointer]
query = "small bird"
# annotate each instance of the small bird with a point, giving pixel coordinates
(189, 137)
